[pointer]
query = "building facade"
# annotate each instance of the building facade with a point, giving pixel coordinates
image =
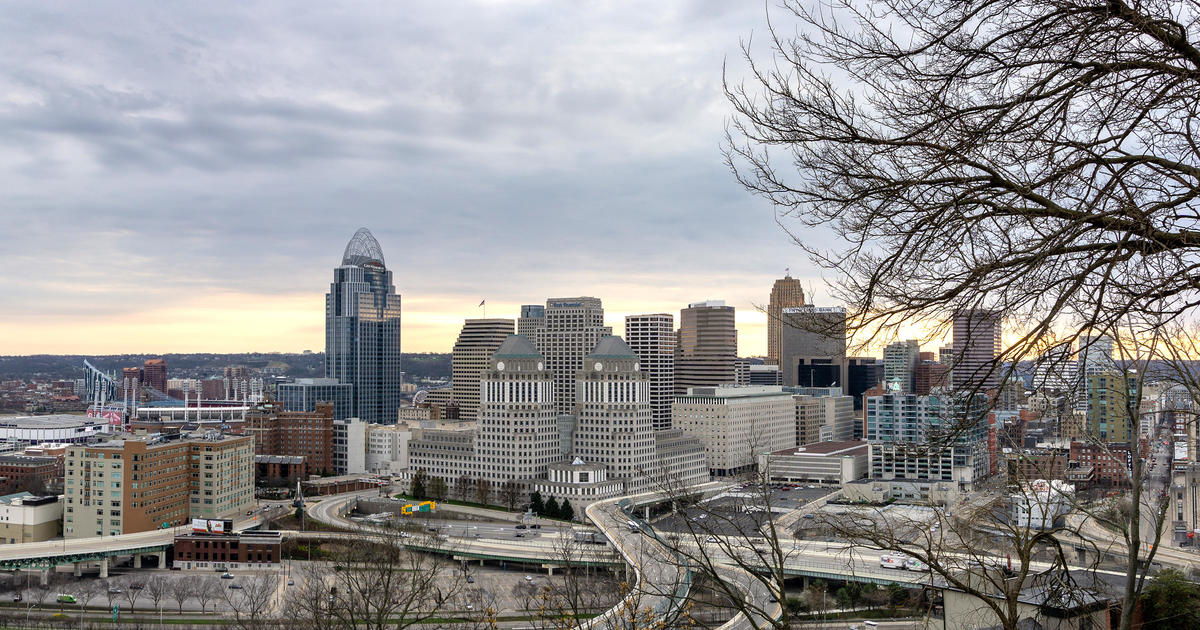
(139, 483)
(785, 293)
(477, 341)
(296, 433)
(812, 350)
(823, 462)
(305, 393)
(652, 339)
(900, 361)
(737, 424)
(566, 331)
(976, 350)
(518, 415)
(362, 330)
(706, 346)
(27, 518)
(613, 420)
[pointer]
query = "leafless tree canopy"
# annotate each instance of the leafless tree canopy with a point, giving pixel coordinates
(1032, 156)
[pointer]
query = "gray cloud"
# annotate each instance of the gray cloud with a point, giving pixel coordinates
(150, 151)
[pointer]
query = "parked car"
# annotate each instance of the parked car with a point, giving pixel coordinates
(470, 579)
(236, 587)
(137, 586)
(291, 582)
(115, 590)
(63, 598)
(224, 576)
(521, 526)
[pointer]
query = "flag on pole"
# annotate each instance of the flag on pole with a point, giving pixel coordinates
(481, 302)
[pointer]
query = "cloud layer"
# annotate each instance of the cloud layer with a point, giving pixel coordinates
(182, 178)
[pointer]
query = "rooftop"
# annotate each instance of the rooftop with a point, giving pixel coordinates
(612, 347)
(517, 347)
(362, 249)
(55, 421)
(829, 449)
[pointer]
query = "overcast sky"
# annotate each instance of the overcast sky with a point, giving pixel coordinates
(183, 177)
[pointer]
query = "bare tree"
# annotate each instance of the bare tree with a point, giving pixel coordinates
(1026, 158)
(381, 584)
(157, 588)
(132, 592)
(464, 487)
(252, 602)
(510, 494)
(112, 590)
(208, 589)
(483, 491)
(181, 590)
(89, 590)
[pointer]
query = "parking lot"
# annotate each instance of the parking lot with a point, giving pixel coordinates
(741, 510)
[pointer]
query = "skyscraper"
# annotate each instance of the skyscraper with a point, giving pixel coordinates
(706, 347)
(900, 360)
(477, 342)
(787, 293)
(613, 424)
(564, 333)
(652, 339)
(518, 420)
(154, 374)
(976, 350)
(362, 330)
(812, 348)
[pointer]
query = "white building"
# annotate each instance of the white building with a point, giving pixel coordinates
(1037, 504)
(26, 518)
(349, 446)
(52, 428)
(736, 424)
(613, 421)
(652, 339)
(821, 462)
(387, 448)
(518, 419)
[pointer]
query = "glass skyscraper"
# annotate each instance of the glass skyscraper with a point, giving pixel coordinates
(362, 330)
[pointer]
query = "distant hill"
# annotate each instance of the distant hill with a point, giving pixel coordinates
(201, 365)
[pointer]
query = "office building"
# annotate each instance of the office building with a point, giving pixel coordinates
(824, 414)
(613, 419)
(228, 551)
(566, 331)
(706, 346)
(533, 318)
(931, 376)
(362, 330)
(305, 393)
(786, 293)
(900, 360)
(976, 350)
(518, 418)
(862, 375)
(307, 434)
(154, 374)
(387, 448)
(477, 341)
(736, 424)
(765, 375)
(139, 483)
(1055, 371)
(652, 339)
(812, 350)
(34, 473)
(349, 446)
(1111, 416)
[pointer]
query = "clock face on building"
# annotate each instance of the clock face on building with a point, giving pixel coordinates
(599, 366)
(500, 365)
(637, 366)
(540, 366)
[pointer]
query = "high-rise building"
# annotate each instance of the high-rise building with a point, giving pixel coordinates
(927, 439)
(155, 483)
(305, 393)
(1055, 370)
(706, 346)
(567, 331)
(154, 374)
(976, 350)
(362, 330)
(533, 318)
(900, 360)
(786, 293)
(477, 341)
(812, 350)
(862, 374)
(1111, 416)
(930, 375)
(613, 420)
(517, 434)
(652, 339)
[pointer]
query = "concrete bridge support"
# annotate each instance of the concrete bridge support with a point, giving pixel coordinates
(137, 560)
(104, 567)
(78, 569)
(162, 559)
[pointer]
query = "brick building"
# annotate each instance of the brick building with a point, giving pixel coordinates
(1110, 463)
(245, 550)
(139, 483)
(307, 434)
(29, 472)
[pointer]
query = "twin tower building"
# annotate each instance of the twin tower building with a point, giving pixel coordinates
(570, 422)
